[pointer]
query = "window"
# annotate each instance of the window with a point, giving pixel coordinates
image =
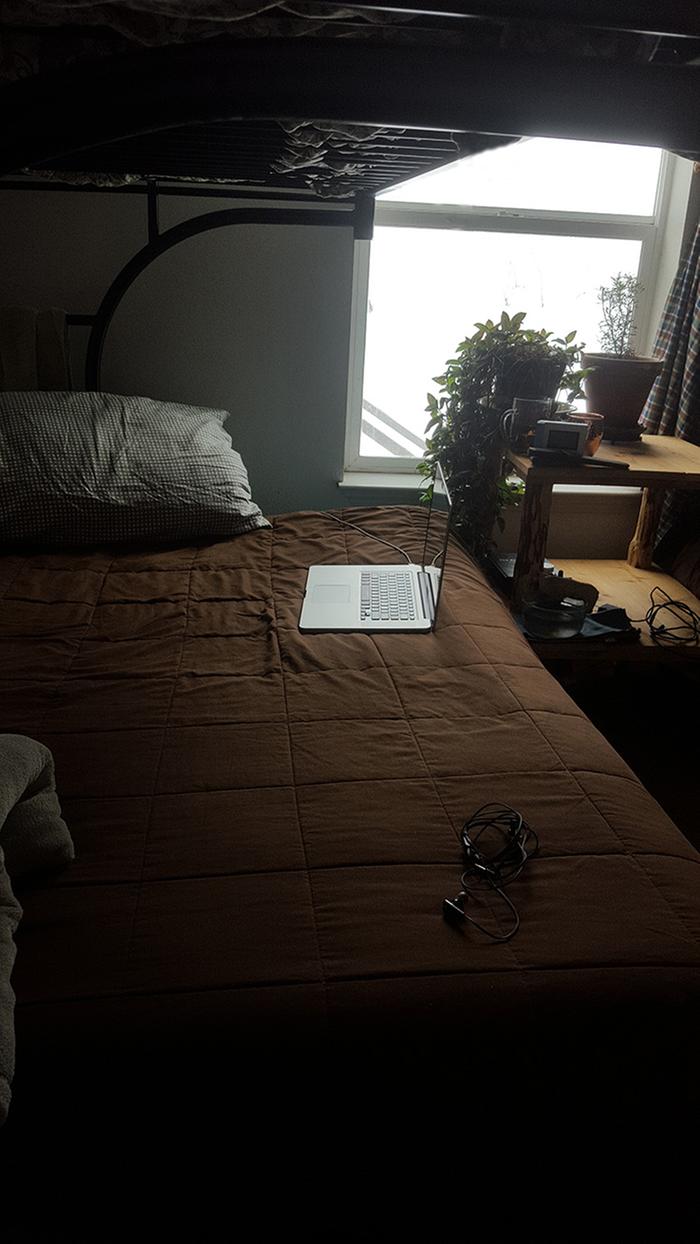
(536, 226)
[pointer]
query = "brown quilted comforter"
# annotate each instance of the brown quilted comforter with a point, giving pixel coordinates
(266, 823)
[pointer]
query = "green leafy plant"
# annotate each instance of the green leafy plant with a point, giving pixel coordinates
(500, 361)
(618, 302)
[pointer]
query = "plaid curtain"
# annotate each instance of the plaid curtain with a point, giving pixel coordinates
(673, 406)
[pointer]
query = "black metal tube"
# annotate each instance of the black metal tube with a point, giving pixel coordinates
(364, 215)
(153, 227)
(179, 233)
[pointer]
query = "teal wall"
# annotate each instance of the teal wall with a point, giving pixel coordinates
(254, 319)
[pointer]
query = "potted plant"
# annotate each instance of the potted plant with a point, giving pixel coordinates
(500, 361)
(619, 380)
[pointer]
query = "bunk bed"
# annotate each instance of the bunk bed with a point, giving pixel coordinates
(255, 912)
(135, 91)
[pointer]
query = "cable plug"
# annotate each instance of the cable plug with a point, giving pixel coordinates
(452, 910)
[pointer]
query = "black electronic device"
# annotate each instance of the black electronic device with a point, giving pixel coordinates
(565, 434)
(507, 844)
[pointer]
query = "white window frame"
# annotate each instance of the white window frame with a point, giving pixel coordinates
(649, 230)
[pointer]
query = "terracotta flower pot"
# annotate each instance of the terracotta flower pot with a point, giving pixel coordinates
(617, 388)
(596, 428)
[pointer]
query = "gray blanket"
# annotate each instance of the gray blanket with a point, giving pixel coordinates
(33, 838)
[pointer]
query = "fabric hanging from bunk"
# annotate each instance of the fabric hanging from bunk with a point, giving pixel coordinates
(330, 159)
(65, 37)
(39, 35)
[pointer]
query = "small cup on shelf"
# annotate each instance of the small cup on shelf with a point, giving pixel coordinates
(596, 426)
(518, 423)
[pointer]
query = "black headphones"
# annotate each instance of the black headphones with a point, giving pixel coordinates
(496, 869)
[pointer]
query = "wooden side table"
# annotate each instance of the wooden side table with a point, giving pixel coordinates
(655, 464)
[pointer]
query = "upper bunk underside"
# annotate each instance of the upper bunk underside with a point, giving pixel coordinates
(326, 100)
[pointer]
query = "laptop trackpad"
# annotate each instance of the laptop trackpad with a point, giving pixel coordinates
(331, 594)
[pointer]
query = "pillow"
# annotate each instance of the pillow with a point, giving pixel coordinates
(88, 468)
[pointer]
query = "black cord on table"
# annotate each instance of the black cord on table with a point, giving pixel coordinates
(687, 628)
(495, 870)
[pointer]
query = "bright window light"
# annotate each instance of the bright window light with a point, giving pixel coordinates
(428, 286)
(429, 283)
(549, 174)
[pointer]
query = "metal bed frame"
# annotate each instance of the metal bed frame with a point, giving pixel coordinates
(430, 89)
(358, 215)
(438, 89)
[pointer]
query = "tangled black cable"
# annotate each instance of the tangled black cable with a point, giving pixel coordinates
(495, 870)
(687, 630)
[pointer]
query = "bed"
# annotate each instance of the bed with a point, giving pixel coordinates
(248, 91)
(266, 823)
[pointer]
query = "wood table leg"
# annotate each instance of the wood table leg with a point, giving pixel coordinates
(641, 550)
(532, 544)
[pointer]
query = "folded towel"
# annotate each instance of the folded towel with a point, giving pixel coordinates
(33, 349)
(33, 838)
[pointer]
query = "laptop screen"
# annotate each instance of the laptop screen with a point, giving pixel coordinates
(437, 530)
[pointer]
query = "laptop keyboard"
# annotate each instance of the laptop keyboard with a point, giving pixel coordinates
(386, 596)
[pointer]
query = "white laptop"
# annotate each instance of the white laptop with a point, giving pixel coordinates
(398, 597)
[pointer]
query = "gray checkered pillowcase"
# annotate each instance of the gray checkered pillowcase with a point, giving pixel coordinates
(88, 468)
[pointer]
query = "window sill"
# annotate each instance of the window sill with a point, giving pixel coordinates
(591, 490)
(381, 479)
(404, 480)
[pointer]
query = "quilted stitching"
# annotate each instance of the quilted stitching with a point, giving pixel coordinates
(253, 807)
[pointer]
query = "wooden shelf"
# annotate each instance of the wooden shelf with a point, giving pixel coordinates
(653, 460)
(655, 463)
(625, 585)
